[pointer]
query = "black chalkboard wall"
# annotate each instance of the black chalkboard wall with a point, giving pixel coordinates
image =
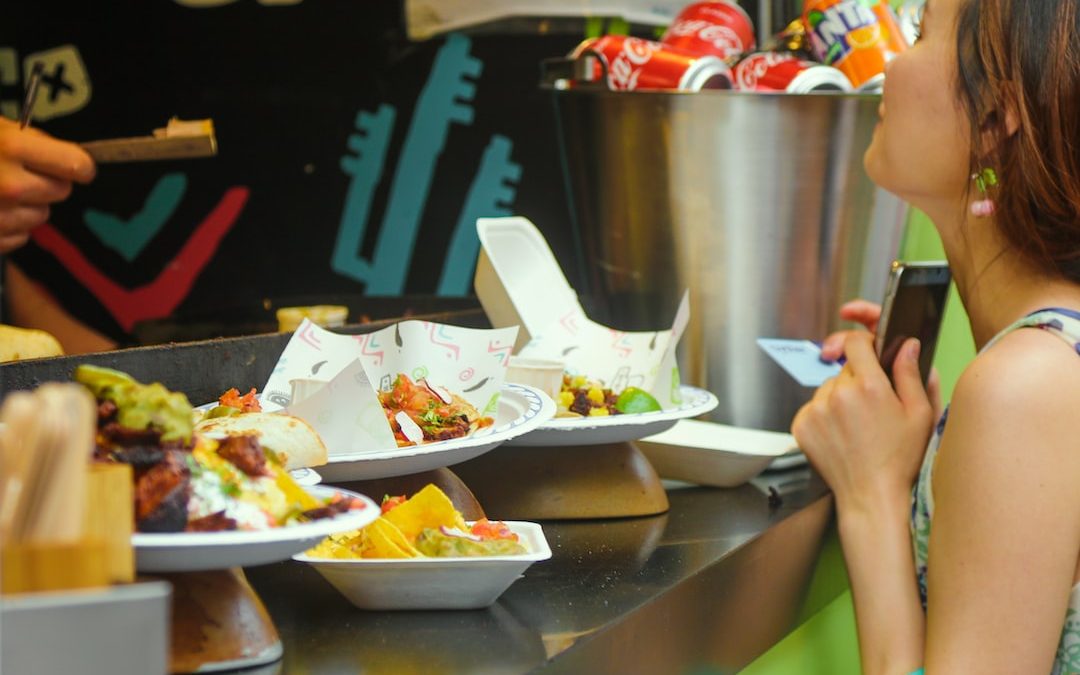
(351, 160)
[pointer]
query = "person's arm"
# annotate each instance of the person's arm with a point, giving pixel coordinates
(35, 170)
(867, 442)
(1006, 530)
(31, 306)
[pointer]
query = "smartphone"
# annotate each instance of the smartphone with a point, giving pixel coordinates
(913, 307)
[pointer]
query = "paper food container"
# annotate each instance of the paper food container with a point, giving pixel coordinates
(714, 454)
(520, 283)
(346, 412)
(432, 583)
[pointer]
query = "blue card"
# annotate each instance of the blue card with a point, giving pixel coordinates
(801, 359)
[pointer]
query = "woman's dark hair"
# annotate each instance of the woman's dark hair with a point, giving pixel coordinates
(1026, 53)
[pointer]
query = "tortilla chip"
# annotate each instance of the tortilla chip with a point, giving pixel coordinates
(382, 539)
(428, 508)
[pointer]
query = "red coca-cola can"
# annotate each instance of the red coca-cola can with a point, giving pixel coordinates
(632, 63)
(776, 71)
(720, 29)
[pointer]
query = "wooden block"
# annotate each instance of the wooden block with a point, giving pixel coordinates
(29, 568)
(149, 148)
(110, 517)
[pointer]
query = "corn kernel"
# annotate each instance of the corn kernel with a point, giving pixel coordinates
(596, 395)
(598, 412)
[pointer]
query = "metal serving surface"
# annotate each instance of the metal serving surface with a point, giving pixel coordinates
(713, 583)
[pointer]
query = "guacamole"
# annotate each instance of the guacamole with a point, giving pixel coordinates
(435, 543)
(140, 406)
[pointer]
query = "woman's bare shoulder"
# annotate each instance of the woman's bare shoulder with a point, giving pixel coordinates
(1022, 393)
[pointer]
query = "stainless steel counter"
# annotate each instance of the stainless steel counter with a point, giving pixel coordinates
(710, 585)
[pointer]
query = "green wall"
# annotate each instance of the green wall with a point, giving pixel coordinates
(825, 643)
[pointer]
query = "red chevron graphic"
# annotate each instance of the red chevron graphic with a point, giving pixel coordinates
(164, 294)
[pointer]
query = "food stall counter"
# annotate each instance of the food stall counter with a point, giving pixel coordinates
(711, 584)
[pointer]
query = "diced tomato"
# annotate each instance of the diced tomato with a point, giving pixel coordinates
(389, 502)
(246, 403)
(485, 529)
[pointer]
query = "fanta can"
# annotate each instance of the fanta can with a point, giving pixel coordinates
(857, 36)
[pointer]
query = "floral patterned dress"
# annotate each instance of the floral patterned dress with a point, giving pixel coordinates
(1064, 323)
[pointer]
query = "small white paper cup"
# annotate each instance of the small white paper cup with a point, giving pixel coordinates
(303, 388)
(544, 375)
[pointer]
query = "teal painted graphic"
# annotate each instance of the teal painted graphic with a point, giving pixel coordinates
(445, 100)
(490, 195)
(365, 166)
(129, 237)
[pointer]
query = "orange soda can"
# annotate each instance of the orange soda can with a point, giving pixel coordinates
(857, 36)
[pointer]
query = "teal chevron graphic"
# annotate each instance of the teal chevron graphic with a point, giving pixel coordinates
(489, 196)
(129, 237)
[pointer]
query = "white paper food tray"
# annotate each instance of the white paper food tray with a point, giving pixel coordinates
(714, 454)
(432, 583)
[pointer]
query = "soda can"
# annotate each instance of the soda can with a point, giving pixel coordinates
(854, 36)
(773, 71)
(632, 63)
(721, 29)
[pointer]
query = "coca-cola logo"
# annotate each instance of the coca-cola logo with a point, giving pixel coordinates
(753, 68)
(625, 68)
(723, 39)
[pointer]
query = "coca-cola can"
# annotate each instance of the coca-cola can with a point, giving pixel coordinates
(632, 63)
(776, 71)
(720, 29)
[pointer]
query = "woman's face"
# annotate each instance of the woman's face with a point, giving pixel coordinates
(921, 146)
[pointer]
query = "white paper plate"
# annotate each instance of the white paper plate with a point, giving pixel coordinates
(196, 551)
(521, 410)
(618, 428)
(714, 454)
(432, 583)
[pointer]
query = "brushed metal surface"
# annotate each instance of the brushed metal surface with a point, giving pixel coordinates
(757, 203)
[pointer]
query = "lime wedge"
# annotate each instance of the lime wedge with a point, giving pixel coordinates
(634, 400)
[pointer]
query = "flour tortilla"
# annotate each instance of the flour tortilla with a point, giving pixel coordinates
(292, 439)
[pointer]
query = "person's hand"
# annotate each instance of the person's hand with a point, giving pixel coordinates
(869, 314)
(865, 439)
(857, 311)
(36, 170)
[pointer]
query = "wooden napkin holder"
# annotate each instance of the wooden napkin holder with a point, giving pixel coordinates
(103, 556)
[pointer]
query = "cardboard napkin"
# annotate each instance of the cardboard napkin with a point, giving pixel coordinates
(619, 359)
(466, 361)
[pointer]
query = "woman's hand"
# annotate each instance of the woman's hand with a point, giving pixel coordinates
(865, 439)
(857, 311)
(869, 314)
(35, 170)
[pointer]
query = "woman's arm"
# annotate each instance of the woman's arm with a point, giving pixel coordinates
(867, 441)
(881, 570)
(1006, 529)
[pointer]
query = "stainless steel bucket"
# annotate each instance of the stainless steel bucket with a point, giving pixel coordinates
(757, 203)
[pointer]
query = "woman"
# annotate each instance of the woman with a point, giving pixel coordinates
(962, 538)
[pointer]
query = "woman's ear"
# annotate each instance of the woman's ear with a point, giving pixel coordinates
(1002, 122)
